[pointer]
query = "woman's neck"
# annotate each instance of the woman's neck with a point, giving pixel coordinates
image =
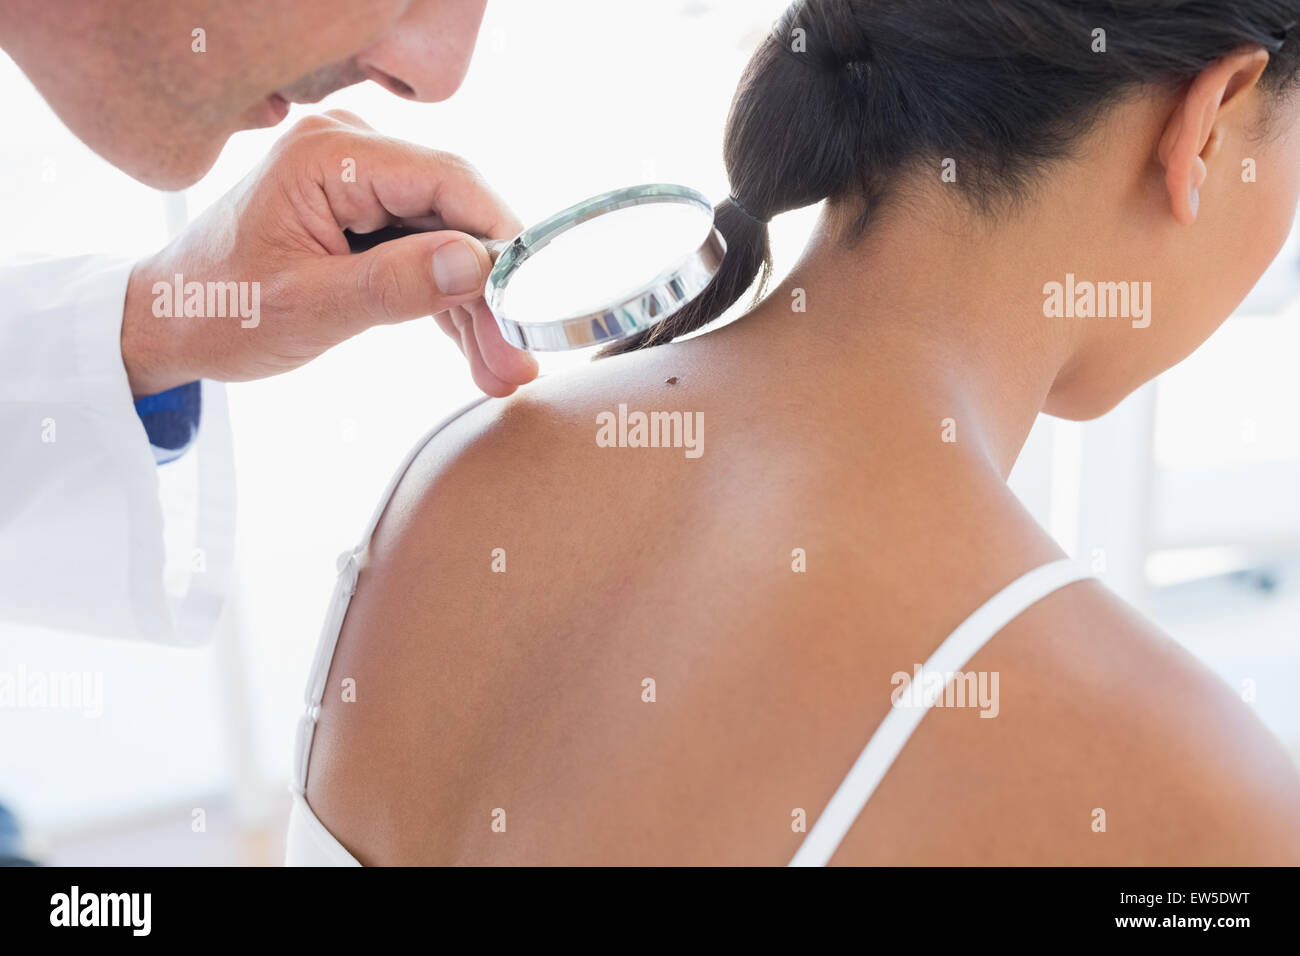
(938, 325)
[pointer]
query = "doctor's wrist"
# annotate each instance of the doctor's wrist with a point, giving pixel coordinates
(153, 350)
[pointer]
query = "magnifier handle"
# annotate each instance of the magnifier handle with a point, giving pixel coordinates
(363, 241)
(494, 247)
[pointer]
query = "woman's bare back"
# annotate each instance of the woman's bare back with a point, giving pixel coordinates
(569, 653)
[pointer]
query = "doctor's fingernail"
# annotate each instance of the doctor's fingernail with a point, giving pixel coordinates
(1194, 197)
(456, 269)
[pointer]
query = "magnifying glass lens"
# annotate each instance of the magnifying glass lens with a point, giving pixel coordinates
(605, 269)
(604, 260)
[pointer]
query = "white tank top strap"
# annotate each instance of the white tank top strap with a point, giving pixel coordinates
(892, 735)
(349, 564)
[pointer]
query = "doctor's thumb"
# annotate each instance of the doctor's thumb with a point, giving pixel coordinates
(410, 277)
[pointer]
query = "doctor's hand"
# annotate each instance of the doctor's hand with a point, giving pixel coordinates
(264, 281)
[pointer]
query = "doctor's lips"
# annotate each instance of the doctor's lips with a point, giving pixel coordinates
(314, 87)
(276, 109)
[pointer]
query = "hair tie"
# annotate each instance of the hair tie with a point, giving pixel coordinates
(741, 206)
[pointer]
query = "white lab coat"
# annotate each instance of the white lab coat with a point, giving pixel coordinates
(84, 542)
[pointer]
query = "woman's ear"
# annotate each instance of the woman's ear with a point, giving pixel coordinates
(1194, 131)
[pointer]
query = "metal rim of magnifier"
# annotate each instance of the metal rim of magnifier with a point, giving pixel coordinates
(651, 303)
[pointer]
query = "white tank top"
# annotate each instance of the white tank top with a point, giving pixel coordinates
(309, 843)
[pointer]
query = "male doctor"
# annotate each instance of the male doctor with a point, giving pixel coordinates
(98, 389)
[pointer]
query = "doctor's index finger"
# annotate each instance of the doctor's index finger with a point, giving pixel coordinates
(371, 181)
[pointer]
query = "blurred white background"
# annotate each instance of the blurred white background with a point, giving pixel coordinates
(1186, 494)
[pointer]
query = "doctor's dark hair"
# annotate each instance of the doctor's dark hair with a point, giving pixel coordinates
(845, 95)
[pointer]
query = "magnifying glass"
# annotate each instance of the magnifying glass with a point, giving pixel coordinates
(600, 271)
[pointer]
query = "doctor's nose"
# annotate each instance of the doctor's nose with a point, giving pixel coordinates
(425, 56)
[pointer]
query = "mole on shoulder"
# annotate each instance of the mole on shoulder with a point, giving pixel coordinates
(671, 381)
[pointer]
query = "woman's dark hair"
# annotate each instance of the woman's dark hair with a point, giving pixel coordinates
(845, 93)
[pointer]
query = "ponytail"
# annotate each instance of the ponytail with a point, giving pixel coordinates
(847, 97)
(790, 142)
(748, 257)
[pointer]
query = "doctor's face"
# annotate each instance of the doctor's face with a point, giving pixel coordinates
(156, 87)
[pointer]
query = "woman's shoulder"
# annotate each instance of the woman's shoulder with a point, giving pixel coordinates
(707, 643)
(1109, 744)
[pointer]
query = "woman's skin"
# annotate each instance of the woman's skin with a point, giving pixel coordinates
(823, 431)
